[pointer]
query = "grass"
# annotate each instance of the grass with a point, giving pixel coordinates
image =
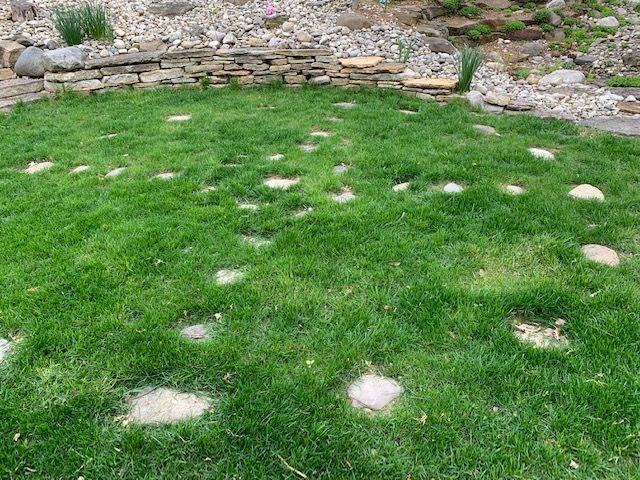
(90, 20)
(97, 275)
(621, 81)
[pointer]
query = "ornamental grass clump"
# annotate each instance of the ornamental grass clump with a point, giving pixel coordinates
(68, 22)
(468, 61)
(90, 20)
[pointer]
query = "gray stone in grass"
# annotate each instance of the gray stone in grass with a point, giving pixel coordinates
(255, 241)
(247, 206)
(225, 277)
(587, 192)
(486, 129)
(154, 406)
(5, 346)
(281, 183)
(343, 197)
(165, 176)
(373, 392)
(115, 172)
(80, 169)
(601, 254)
(514, 189)
(408, 112)
(276, 157)
(541, 153)
(333, 119)
(308, 147)
(346, 105)
(35, 167)
(340, 169)
(179, 118)
(401, 187)
(196, 333)
(320, 133)
(452, 188)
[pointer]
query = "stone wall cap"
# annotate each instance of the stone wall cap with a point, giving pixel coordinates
(431, 83)
(124, 59)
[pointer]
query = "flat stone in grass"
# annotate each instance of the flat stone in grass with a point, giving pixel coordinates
(452, 188)
(373, 392)
(35, 167)
(541, 153)
(195, 333)
(225, 277)
(255, 241)
(302, 212)
(80, 169)
(247, 206)
(208, 188)
(320, 133)
(401, 187)
(343, 197)
(5, 346)
(165, 176)
(538, 336)
(346, 105)
(179, 118)
(280, 182)
(340, 169)
(486, 129)
(108, 136)
(333, 119)
(514, 189)
(587, 192)
(601, 254)
(115, 172)
(407, 111)
(308, 147)
(155, 406)
(276, 156)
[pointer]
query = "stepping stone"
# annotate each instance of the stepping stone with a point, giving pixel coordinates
(320, 133)
(408, 112)
(247, 206)
(108, 136)
(208, 188)
(163, 405)
(5, 346)
(303, 211)
(401, 187)
(115, 172)
(35, 167)
(80, 169)
(195, 333)
(601, 254)
(225, 277)
(179, 118)
(346, 105)
(587, 192)
(334, 119)
(255, 241)
(280, 182)
(514, 189)
(340, 169)
(541, 153)
(452, 188)
(373, 392)
(486, 129)
(165, 176)
(345, 196)
(276, 157)
(308, 147)
(540, 337)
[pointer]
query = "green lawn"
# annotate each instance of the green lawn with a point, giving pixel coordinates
(98, 275)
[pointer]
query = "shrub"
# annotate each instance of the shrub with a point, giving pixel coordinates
(512, 26)
(542, 16)
(404, 50)
(95, 21)
(522, 73)
(530, 5)
(468, 61)
(68, 22)
(478, 31)
(620, 81)
(452, 5)
(547, 27)
(470, 11)
(637, 8)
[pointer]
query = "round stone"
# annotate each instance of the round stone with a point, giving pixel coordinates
(514, 189)
(196, 333)
(80, 169)
(540, 337)
(541, 153)
(115, 172)
(343, 197)
(308, 147)
(165, 176)
(601, 254)
(485, 129)
(408, 112)
(5, 346)
(255, 241)
(340, 169)
(247, 206)
(373, 392)
(35, 167)
(280, 182)
(276, 157)
(225, 277)
(164, 405)
(179, 118)
(208, 188)
(587, 192)
(401, 187)
(452, 188)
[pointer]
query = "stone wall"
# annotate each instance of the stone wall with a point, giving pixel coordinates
(244, 66)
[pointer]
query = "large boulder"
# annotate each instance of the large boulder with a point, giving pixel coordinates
(64, 59)
(10, 51)
(170, 8)
(353, 21)
(30, 63)
(439, 45)
(609, 22)
(562, 77)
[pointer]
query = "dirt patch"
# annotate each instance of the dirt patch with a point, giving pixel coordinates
(538, 335)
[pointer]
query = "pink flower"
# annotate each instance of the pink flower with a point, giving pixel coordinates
(270, 10)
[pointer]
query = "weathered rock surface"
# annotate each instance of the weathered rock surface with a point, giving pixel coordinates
(30, 63)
